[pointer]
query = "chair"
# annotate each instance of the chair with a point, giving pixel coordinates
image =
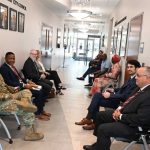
(143, 139)
(5, 127)
(1, 147)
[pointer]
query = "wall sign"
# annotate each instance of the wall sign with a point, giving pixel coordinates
(19, 4)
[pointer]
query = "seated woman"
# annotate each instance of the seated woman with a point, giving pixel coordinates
(50, 74)
(108, 79)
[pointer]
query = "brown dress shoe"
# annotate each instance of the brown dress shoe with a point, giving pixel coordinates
(46, 114)
(42, 117)
(84, 121)
(89, 127)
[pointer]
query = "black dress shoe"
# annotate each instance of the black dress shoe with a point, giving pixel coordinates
(88, 147)
(80, 78)
(88, 85)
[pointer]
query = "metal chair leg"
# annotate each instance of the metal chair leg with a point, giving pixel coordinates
(1, 147)
(7, 131)
(144, 143)
(18, 122)
(129, 145)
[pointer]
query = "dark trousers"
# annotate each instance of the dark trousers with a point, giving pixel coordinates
(107, 127)
(46, 85)
(97, 101)
(38, 100)
(89, 71)
(55, 77)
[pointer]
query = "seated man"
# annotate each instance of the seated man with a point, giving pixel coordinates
(96, 59)
(49, 74)
(109, 98)
(13, 78)
(31, 72)
(19, 102)
(124, 121)
(101, 69)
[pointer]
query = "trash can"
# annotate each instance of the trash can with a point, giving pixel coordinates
(74, 55)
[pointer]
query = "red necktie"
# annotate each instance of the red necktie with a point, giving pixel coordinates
(131, 98)
(16, 72)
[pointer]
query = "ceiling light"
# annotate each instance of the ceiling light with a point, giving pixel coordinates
(80, 14)
(83, 30)
(82, 2)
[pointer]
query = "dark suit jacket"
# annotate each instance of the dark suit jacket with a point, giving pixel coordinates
(137, 112)
(121, 94)
(30, 71)
(10, 77)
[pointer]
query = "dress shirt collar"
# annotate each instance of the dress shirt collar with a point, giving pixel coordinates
(132, 76)
(144, 87)
(9, 65)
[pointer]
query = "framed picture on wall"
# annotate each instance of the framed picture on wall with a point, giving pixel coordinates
(21, 21)
(3, 16)
(12, 19)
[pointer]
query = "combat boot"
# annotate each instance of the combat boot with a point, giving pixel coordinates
(26, 106)
(32, 135)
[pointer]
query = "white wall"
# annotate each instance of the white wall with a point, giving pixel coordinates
(21, 43)
(132, 8)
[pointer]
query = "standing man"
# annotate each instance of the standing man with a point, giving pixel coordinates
(124, 121)
(111, 98)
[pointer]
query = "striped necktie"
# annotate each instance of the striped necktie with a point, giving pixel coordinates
(131, 98)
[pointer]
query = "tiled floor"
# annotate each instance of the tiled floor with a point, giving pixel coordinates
(60, 132)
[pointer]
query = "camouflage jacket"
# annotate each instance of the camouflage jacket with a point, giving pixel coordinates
(5, 90)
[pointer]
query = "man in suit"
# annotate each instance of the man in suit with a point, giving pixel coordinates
(124, 121)
(13, 78)
(110, 99)
(31, 72)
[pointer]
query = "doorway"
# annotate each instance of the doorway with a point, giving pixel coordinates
(46, 40)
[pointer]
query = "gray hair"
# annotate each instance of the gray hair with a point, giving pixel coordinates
(147, 70)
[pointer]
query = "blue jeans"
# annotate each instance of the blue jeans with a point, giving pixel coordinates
(89, 71)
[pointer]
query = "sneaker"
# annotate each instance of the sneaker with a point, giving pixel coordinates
(88, 85)
(80, 78)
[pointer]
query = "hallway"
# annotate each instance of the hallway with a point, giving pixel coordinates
(60, 132)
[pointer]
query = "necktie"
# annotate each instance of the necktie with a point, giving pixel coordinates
(131, 98)
(36, 67)
(16, 73)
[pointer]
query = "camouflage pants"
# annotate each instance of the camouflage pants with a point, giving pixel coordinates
(8, 106)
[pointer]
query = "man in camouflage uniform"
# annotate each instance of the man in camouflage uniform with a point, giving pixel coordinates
(20, 102)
